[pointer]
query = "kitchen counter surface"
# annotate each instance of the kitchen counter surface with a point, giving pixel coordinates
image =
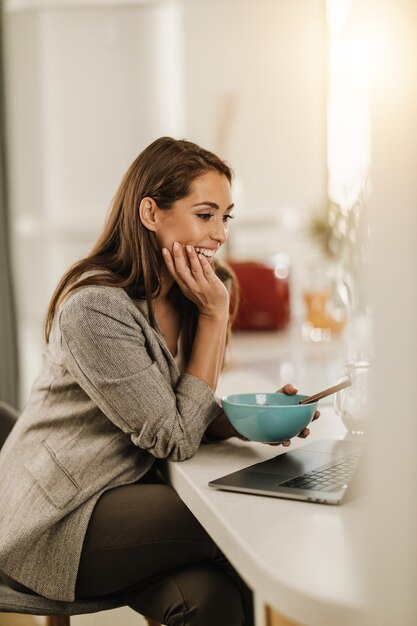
(302, 559)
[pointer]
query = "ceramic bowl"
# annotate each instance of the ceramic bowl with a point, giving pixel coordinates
(268, 417)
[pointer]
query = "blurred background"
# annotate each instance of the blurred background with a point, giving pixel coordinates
(313, 102)
(279, 88)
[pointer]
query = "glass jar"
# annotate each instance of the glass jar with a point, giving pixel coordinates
(325, 310)
(351, 404)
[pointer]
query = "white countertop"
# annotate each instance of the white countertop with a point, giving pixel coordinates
(300, 558)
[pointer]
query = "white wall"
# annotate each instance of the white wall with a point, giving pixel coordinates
(268, 56)
(391, 546)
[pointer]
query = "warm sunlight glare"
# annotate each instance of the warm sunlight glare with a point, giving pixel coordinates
(348, 106)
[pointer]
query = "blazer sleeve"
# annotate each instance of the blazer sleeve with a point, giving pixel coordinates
(105, 351)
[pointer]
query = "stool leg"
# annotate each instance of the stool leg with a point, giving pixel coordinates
(57, 620)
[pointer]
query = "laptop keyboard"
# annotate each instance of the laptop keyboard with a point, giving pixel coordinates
(329, 478)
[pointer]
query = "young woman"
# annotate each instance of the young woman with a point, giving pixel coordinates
(135, 334)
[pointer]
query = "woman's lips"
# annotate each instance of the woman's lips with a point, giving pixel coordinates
(207, 252)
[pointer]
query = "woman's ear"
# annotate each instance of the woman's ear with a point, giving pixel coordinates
(147, 213)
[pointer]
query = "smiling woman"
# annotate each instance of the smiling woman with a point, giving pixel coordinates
(173, 191)
(85, 511)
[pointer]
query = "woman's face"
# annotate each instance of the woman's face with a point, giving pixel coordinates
(200, 219)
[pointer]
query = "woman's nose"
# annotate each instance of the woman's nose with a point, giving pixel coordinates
(219, 232)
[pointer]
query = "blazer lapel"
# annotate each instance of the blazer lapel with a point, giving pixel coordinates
(174, 372)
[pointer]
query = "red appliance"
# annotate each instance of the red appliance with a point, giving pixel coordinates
(264, 298)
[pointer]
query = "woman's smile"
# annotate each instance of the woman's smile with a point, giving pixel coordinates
(207, 252)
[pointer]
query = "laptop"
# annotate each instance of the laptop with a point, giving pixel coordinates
(320, 471)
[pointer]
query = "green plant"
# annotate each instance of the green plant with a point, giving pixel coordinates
(321, 230)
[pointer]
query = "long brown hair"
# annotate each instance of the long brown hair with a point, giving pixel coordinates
(126, 254)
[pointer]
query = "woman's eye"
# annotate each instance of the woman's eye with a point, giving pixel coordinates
(207, 216)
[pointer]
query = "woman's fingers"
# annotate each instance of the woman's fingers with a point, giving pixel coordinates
(196, 272)
(206, 267)
(197, 280)
(288, 389)
(193, 271)
(316, 416)
(285, 443)
(169, 262)
(304, 433)
(180, 262)
(177, 266)
(197, 263)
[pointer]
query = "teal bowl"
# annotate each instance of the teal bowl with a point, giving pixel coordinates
(268, 417)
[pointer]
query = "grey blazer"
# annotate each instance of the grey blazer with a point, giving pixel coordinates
(108, 401)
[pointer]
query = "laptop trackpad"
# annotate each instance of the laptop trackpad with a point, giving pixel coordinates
(293, 464)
